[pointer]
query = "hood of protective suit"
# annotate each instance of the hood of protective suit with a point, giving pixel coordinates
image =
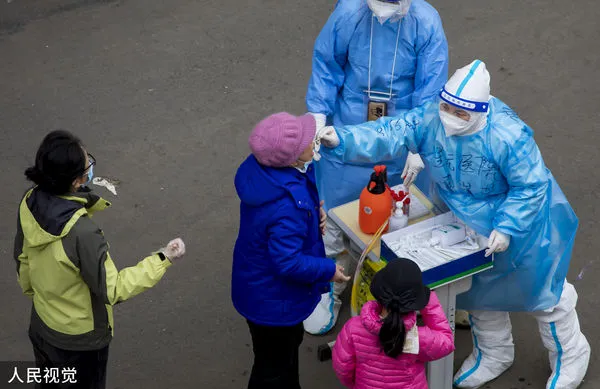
(468, 89)
(385, 10)
(257, 184)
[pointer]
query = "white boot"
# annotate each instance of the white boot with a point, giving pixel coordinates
(333, 240)
(325, 315)
(493, 349)
(568, 349)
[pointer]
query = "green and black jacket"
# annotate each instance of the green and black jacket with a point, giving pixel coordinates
(63, 263)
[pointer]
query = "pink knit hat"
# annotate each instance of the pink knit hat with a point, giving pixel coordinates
(281, 138)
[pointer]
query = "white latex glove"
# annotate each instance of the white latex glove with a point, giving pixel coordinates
(175, 249)
(413, 166)
(328, 137)
(320, 120)
(497, 243)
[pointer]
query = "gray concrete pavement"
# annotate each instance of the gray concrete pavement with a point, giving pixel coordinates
(164, 94)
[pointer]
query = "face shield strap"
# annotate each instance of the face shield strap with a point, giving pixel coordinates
(469, 105)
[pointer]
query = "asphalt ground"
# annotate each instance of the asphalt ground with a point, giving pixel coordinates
(164, 94)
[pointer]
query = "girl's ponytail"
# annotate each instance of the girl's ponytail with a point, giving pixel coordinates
(399, 288)
(392, 334)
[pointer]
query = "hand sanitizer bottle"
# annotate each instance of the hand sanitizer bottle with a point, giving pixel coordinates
(398, 219)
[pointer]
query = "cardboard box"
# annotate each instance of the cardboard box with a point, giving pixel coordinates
(450, 271)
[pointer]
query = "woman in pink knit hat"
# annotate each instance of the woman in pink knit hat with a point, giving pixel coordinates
(279, 264)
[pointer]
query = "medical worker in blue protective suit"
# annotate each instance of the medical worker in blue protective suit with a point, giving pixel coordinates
(373, 58)
(489, 171)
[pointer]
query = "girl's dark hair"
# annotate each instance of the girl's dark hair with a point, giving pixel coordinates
(399, 288)
(392, 333)
(60, 159)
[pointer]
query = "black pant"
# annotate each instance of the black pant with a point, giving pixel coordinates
(90, 366)
(275, 356)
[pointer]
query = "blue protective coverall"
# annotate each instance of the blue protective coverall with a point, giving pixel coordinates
(493, 179)
(340, 77)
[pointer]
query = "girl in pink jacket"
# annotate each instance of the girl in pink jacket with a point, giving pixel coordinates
(383, 348)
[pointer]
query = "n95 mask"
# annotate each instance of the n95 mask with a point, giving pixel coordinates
(303, 168)
(455, 126)
(385, 11)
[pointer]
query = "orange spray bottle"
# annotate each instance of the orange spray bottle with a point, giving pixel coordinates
(375, 203)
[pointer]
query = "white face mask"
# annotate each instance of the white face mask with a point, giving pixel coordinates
(304, 168)
(455, 126)
(392, 11)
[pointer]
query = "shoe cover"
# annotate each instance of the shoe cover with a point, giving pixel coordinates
(493, 349)
(568, 349)
(324, 316)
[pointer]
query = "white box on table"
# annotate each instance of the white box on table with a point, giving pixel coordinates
(450, 271)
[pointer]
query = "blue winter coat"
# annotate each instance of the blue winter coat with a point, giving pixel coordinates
(279, 264)
(495, 179)
(340, 76)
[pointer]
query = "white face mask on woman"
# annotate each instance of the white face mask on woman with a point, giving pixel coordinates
(385, 11)
(455, 126)
(303, 168)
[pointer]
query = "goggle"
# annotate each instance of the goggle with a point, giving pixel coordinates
(92, 162)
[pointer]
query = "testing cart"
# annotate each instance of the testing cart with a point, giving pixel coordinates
(448, 280)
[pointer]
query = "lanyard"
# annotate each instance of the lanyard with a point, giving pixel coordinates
(382, 95)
